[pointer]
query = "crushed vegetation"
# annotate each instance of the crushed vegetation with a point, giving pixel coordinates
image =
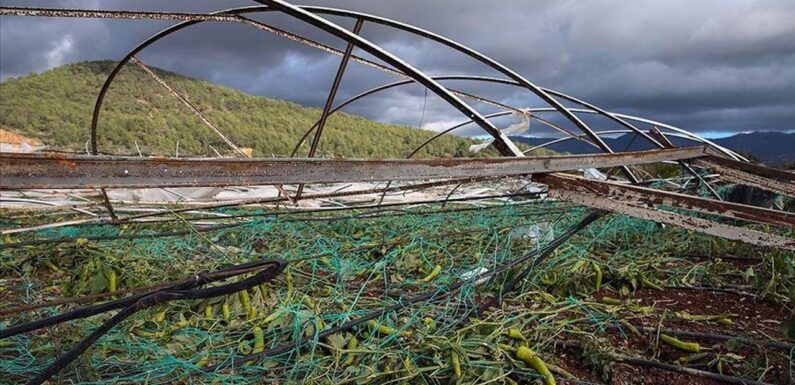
(617, 293)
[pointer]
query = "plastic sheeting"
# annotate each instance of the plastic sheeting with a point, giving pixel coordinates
(514, 129)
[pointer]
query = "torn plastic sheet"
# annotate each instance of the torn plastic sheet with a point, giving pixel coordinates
(514, 129)
(476, 272)
(534, 232)
(592, 173)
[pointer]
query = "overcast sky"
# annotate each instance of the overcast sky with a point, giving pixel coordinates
(711, 66)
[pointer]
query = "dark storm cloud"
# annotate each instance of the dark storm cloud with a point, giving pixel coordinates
(711, 65)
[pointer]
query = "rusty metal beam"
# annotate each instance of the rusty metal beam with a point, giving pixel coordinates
(655, 133)
(357, 28)
(745, 178)
(192, 17)
(588, 193)
(106, 14)
(193, 109)
(652, 197)
(696, 224)
(31, 171)
(321, 124)
(768, 172)
(749, 174)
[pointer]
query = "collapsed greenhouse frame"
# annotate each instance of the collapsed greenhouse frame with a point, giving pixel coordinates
(631, 197)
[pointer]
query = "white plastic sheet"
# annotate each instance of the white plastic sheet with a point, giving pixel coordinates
(514, 129)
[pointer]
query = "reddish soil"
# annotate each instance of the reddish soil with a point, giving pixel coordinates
(631, 375)
(752, 318)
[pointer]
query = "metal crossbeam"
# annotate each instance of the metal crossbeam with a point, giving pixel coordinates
(626, 200)
(768, 179)
(652, 197)
(31, 171)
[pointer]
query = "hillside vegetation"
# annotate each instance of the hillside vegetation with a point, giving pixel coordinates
(55, 107)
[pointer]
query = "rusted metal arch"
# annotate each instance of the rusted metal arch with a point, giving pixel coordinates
(27, 11)
(388, 86)
(330, 11)
(730, 153)
(218, 16)
(488, 79)
(689, 135)
(505, 82)
(589, 108)
(501, 141)
(520, 81)
(643, 134)
(678, 132)
(439, 134)
(566, 139)
(128, 57)
(194, 18)
(303, 138)
(346, 56)
(473, 54)
(600, 133)
(499, 138)
(105, 86)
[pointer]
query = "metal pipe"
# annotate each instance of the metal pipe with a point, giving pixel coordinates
(321, 124)
(234, 15)
(595, 194)
(30, 171)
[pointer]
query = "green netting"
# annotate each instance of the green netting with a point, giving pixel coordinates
(347, 266)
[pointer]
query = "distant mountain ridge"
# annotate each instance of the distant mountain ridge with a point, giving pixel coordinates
(771, 148)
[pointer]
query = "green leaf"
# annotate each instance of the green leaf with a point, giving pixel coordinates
(337, 341)
(748, 274)
(97, 284)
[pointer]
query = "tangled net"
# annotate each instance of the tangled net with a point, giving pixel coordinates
(343, 266)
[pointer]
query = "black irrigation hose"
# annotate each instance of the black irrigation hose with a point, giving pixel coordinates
(169, 284)
(94, 297)
(508, 287)
(549, 248)
(88, 311)
(186, 290)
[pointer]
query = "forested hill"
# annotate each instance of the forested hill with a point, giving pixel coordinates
(55, 107)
